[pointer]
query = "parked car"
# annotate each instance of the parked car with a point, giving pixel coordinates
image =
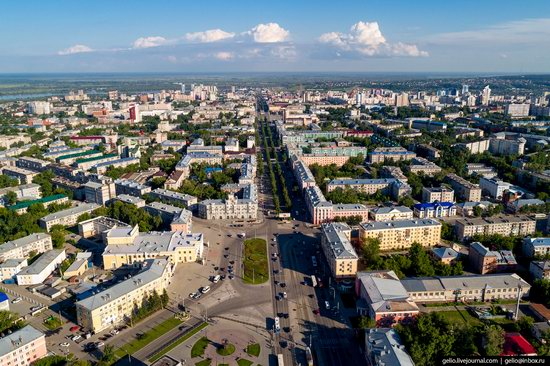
(99, 344)
(64, 344)
(327, 305)
(205, 289)
(76, 338)
(16, 300)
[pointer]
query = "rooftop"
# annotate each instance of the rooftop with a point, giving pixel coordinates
(18, 339)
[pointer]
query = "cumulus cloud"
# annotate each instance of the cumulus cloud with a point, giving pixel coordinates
(77, 48)
(148, 42)
(211, 35)
(224, 55)
(366, 39)
(269, 33)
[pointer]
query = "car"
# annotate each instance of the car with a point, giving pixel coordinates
(311, 296)
(35, 308)
(16, 300)
(90, 346)
(231, 276)
(226, 248)
(76, 338)
(197, 296)
(114, 332)
(205, 289)
(284, 295)
(231, 262)
(222, 277)
(99, 344)
(285, 315)
(327, 305)
(275, 271)
(216, 268)
(276, 282)
(192, 295)
(278, 297)
(282, 284)
(64, 344)
(316, 311)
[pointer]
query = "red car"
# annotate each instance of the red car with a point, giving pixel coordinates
(316, 311)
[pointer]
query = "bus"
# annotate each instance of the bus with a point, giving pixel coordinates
(314, 261)
(277, 326)
(280, 360)
(309, 357)
(313, 281)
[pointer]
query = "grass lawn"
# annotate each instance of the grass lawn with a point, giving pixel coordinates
(227, 350)
(206, 362)
(255, 261)
(199, 347)
(53, 323)
(148, 337)
(179, 341)
(460, 316)
(244, 362)
(253, 349)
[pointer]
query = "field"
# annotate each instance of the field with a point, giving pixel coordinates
(256, 269)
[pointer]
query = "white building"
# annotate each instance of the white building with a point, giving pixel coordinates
(39, 107)
(39, 270)
(22, 247)
(535, 247)
(67, 217)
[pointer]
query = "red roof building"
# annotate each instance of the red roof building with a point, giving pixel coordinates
(516, 345)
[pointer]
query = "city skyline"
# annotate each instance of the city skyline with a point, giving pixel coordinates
(354, 36)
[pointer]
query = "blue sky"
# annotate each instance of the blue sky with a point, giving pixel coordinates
(188, 36)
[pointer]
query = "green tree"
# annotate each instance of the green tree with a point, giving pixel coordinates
(493, 340)
(371, 251)
(10, 198)
(58, 236)
(366, 322)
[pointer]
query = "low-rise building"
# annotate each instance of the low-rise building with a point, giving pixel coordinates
(10, 268)
(22, 207)
(133, 188)
(438, 194)
(468, 209)
(384, 347)
(101, 168)
(67, 217)
(27, 162)
(178, 218)
(340, 254)
(232, 207)
(129, 247)
(368, 186)
(131, 200)
(116, 304)
(23, 191)
(99, 227)
(540, 269)
(466, 288)
(506, 225)
(401, 234)
(24, 176)
(100, 193)
(424, 166)
(534, 247)
(169, 196)
(434, 210)
(384, 154)
(40, 269)
(444, 255)
(383, 298)
(390, 213)
(23, 347)
(23, 247)
(481, 170)
(483, 260)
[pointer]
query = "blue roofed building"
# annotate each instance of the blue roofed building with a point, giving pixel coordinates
(4, 301)
(434, 210)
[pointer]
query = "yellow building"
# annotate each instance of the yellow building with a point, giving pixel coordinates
(114, 306)
(401, 234)
(129, 247)
(340, 254)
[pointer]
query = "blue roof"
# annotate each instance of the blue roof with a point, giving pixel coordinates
(433, 205)
(212, 169)
(3, 297)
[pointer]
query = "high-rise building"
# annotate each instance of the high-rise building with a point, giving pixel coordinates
(39, 107)
(465, 89)
(486, 95)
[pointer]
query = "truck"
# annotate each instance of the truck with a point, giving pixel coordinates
(216, 279)
(280, 360)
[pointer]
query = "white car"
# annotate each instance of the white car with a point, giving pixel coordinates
(205, 289)
(114, 332)
(76, 338)
(16, 300)
(64, 344)
(327, 305)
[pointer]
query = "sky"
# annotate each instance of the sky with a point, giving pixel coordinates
(487, 36)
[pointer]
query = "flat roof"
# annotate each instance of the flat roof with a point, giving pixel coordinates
(21, 242)
(18, 339)
(83, 207)
(399, 224)
(41, 263)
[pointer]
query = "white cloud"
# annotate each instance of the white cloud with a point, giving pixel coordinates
(517, 31)
(211, 35)
(269, 33)
(224, 55)
(366, 39)
(148, 42)
(77, 48)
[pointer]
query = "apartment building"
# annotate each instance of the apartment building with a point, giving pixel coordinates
(534, 247)
(540, 269)
(319, 209)
(68, 217)
(344, 210)
(495, 187)
(434, 210)
(233, 207)
(98, 227)
(27, 162)
(90, 162)
(11, 267)
(98, 192)
(384, 347)
(483, 260)
(385, 154)
(401, 234)
(23, 191)
(390, 213)
(502, 146)
(383, 298)
(126, 246)
(24, 176)
(367, 186)
(169, 196)
(506, 225)
(465, 190)
(68, 157)
(115, 305)
(21, 207)
(130, 187)
(40, 269)
(178, 218)
(304, 176)
(23, 347)
(423, 166)
(22, 247)
(101, 168)
(438, 194)
(466, 288)
(481, 170)
(339, 253)
(175, 179)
